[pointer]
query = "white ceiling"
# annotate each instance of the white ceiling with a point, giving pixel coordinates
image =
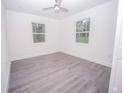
(35, 6)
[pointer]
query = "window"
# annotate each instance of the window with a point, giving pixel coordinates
(82, 31)
(38, 32)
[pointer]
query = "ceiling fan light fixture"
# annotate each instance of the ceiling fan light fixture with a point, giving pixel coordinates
(56, 8)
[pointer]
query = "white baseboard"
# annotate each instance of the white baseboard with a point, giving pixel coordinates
(31, 55)
(100, 61)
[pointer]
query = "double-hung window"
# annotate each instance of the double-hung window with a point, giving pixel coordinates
(82, 31)
(38, 32)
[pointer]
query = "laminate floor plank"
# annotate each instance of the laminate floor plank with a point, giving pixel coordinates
(58, 73)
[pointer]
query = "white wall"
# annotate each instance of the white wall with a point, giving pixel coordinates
(5, 63)
(19, 29)
(101, 39)
(115, 85)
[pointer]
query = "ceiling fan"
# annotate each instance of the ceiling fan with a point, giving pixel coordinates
(57, 7)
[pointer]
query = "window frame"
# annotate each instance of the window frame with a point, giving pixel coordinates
(82, 31)
(38, 33)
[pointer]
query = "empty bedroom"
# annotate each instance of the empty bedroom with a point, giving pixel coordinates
(61, 46)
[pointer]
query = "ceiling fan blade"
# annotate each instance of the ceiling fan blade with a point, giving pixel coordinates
(58, 2)
(49, 8)
(63, 9)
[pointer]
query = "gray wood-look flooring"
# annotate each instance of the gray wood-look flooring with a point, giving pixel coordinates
(58, 73)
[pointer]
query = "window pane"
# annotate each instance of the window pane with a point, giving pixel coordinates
(37, 38)
(34, 27)
(82, 37)
(86, 24)
(83, 25)
(38, 28)
(79, 26)
(77, 35)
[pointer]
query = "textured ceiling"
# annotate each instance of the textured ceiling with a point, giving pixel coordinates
(35, 6)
